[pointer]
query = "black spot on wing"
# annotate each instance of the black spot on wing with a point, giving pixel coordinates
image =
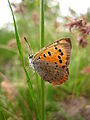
(63, 66)
(49, 53)
(60, 61)
(56, 65)
(44, 55)
(59, 57)
(66, 63)
(59, 50)
(55, 48)
(61, 53)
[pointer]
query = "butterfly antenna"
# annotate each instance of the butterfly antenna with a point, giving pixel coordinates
(28, 44)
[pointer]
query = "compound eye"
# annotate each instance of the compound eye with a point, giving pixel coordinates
(30, 56)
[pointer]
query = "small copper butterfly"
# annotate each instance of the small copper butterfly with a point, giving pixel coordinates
(52, 62)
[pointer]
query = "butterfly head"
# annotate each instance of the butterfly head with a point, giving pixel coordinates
(30, 56)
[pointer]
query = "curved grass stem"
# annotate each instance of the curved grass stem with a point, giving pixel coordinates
(42, 45)
(31, 91)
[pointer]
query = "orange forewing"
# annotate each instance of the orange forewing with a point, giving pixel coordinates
(54, 55)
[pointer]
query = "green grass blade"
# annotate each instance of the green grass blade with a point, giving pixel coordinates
(42, 45)
(2, 117)
(22, 60)
(17, 36)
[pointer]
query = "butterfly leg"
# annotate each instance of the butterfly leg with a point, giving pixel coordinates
(32, 74)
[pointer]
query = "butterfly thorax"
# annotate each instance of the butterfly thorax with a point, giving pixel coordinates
(30, 60)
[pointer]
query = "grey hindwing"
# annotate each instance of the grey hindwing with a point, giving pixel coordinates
(50, 71)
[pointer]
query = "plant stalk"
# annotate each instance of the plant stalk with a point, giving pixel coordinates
(42, 45)
(31, 91)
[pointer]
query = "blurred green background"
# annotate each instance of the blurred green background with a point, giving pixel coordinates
(69, 101)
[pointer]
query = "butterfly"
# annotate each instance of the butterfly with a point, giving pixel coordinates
(52, 62)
